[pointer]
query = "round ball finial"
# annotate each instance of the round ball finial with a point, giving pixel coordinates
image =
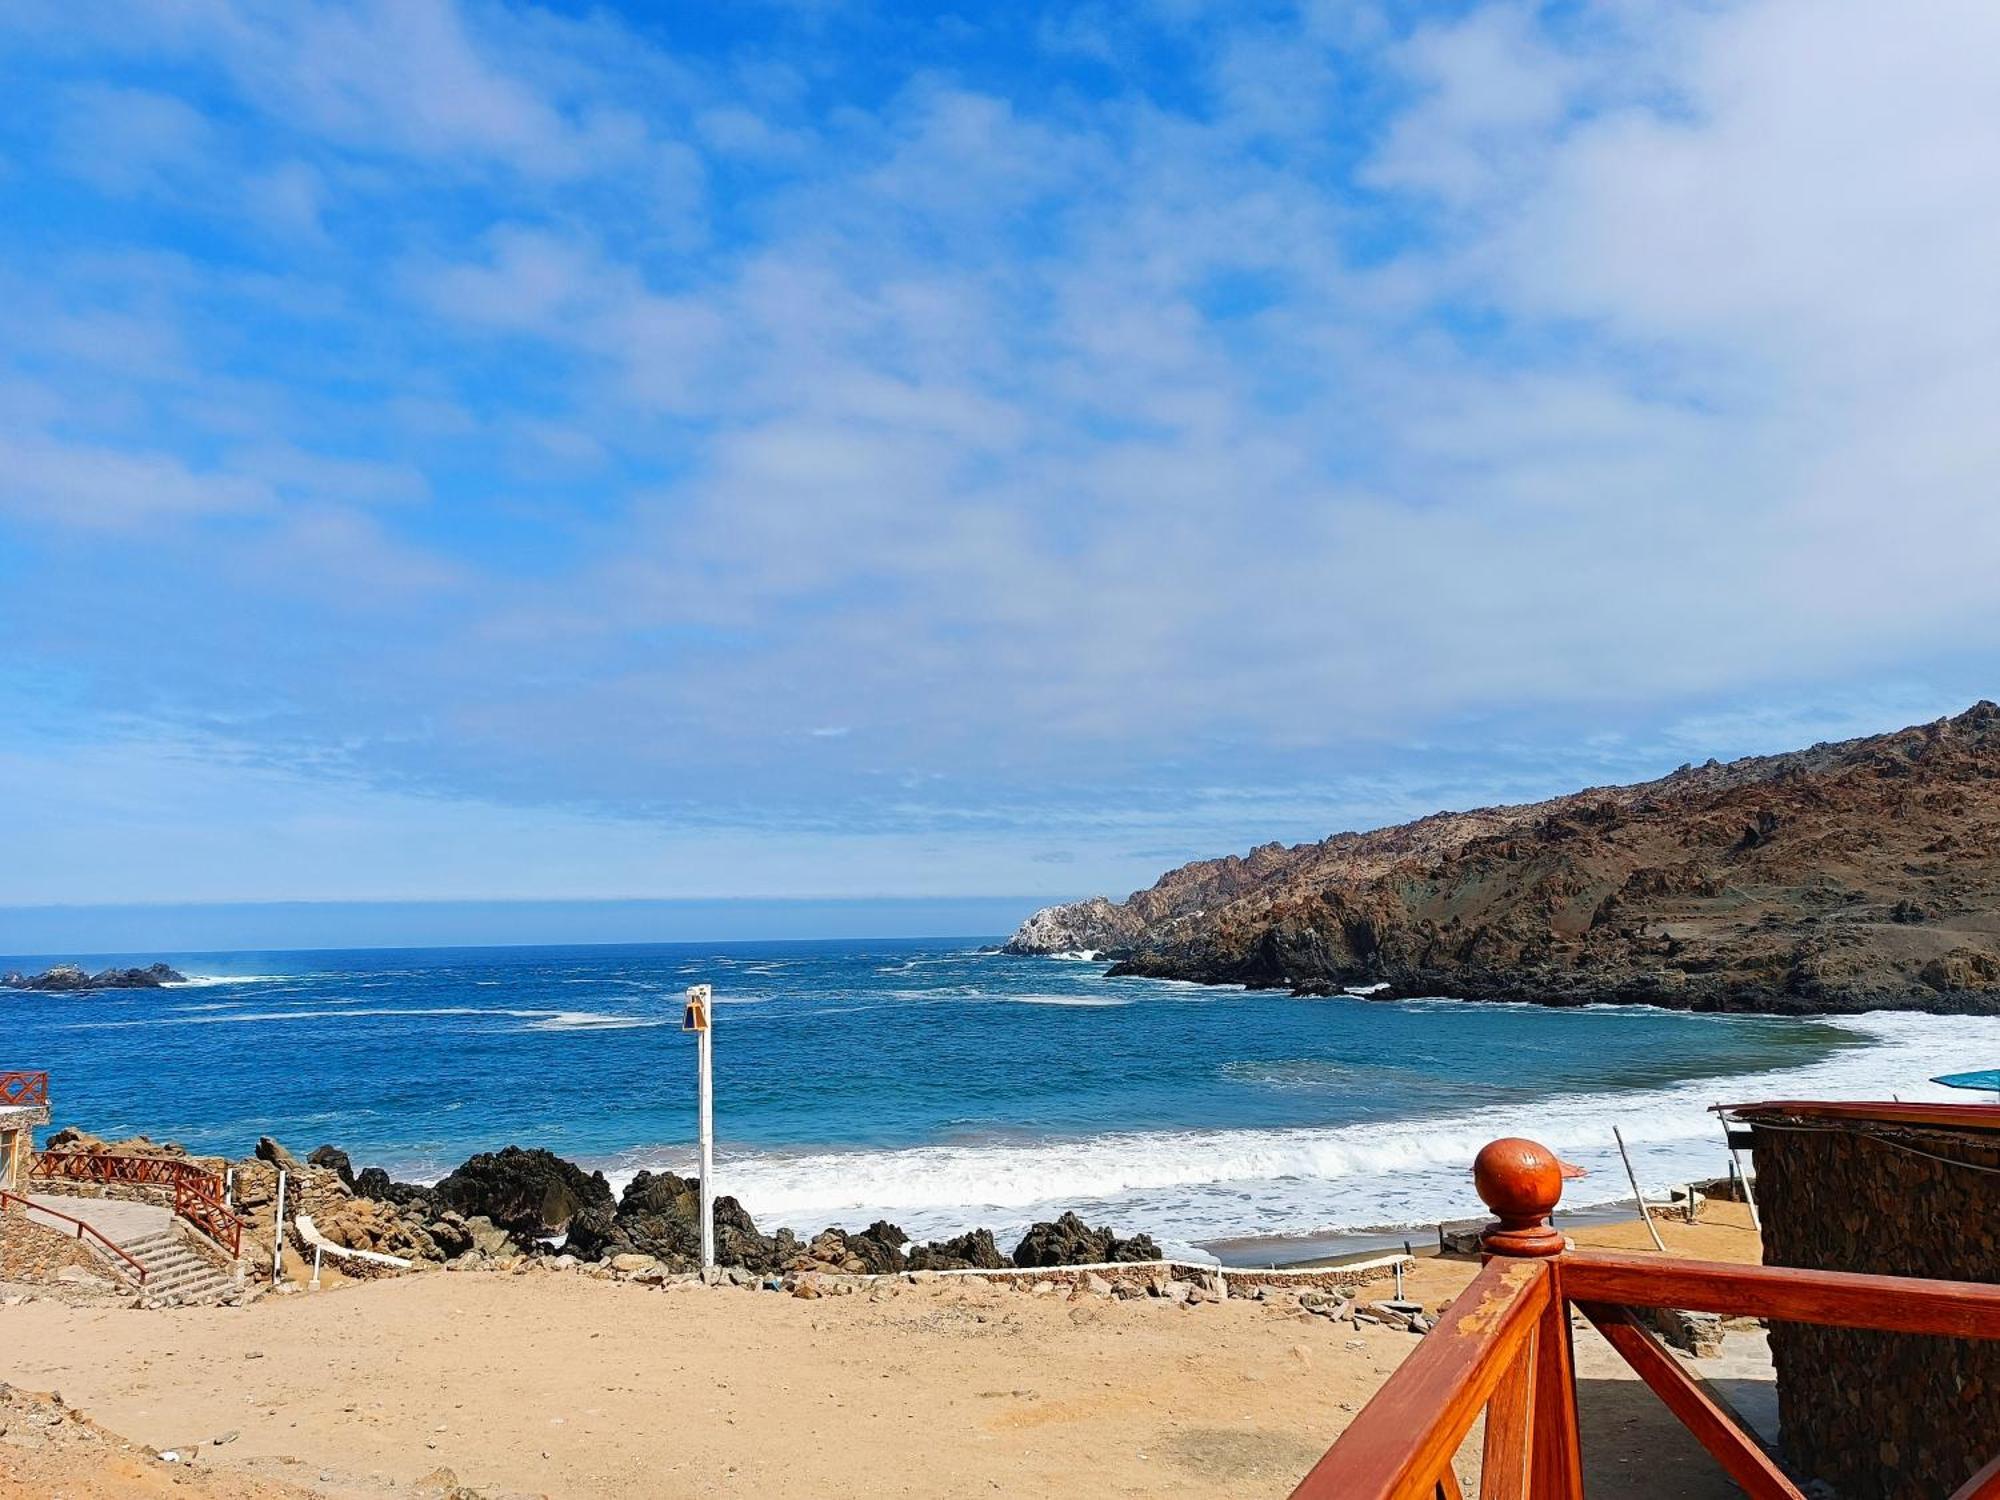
(1521, 1181)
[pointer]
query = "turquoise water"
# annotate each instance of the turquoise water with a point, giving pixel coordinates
(928, 1081)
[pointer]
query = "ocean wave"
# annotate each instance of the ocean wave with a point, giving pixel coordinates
(203, 981)
(1196, 1185)
(235, 1017)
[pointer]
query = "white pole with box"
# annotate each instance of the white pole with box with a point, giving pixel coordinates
(697, 1019)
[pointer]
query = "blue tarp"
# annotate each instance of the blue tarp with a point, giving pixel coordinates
(1986, 1078)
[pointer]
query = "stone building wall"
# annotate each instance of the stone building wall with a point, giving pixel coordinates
(1882, 1416)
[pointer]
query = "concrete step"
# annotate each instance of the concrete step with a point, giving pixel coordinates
(174, 1269)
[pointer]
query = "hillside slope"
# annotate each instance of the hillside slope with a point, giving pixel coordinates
(1853, 876)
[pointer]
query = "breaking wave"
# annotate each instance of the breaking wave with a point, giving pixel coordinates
(1196, 1185)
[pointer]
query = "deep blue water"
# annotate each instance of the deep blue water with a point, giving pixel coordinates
(924, 1080)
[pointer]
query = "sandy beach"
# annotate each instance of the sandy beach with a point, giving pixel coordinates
(540, 1383)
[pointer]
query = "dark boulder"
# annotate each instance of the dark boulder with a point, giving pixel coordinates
(277, 1155)
(450, 1233)
(737, 1242)
(880, 1247)
(373, 1182)
(969, 1252)
(659, 1215)
(533, 1194)
(1068, 1241)
(334, 1157)
(874, 1251)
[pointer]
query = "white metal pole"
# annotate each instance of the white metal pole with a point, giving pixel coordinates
(1743, 1177)
(278, 1233)
(707, 1145)
(315, 1280)
(1645, 1216)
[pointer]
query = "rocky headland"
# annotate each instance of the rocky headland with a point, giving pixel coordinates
(1859, 875)
(73, 979)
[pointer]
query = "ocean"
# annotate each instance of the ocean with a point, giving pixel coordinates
(937, 1085)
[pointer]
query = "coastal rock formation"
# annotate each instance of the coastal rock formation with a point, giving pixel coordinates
(335, 1160)
(874, 1251)
(1068, 1241)
(72, 979)
(533, 1194)
(373, 1182)
(1853, 876)
(660, 1215)
(969, 1252)
(1092, 926)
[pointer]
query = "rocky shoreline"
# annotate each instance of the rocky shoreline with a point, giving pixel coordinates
(1849, 877)
(530, 1204)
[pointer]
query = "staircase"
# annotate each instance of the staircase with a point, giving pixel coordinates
(174, 1270)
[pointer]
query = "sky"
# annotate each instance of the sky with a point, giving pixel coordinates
(506, 452)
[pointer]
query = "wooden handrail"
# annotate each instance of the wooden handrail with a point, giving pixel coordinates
(124, 1167)
(209, 1216)
(82, 1229)
(1746, 1463)
(18, 1088)
(1845, 1299)
(1506, 1348)
(197, 1191)
(1403, 1440)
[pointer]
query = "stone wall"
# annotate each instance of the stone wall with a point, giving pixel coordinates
(35, 1253)
(1882, 1416)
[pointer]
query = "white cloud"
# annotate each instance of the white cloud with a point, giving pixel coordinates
(97, 489)
(1603, 365)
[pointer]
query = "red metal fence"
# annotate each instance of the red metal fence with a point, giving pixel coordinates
(1504, 1347)
(197, 1190)
(24, 1088)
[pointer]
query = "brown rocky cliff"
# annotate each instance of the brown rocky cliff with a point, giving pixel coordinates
(1851, 876)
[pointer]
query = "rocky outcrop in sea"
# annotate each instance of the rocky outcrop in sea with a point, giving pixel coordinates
(73, 979)
(1856, 876)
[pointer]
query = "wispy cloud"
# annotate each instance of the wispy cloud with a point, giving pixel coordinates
(1171, 422)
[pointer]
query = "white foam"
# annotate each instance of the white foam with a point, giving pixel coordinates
(588, 1020)
(201, 981)
(1196, 1185)
(1085, 1002)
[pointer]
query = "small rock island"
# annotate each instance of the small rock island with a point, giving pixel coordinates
(74, 979)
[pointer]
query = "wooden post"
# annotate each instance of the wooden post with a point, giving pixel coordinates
(1521, 1181)
(1645, 1215)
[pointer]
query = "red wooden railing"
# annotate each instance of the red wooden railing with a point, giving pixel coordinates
(197, 1191)
(1504, 1347)
(83, 1230)
(208, 1215)
(24, 1088)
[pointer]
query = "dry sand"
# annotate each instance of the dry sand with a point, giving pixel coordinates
(552, 1384)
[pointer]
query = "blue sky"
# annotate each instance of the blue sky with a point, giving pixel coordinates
(492, 451)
